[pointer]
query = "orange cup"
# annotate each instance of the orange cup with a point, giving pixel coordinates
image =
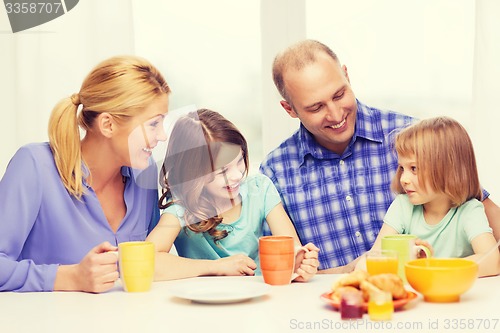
(277, 259)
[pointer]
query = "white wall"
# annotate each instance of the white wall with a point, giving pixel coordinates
(485, 112)
(42, 65)
(418, 57)
(423, 58)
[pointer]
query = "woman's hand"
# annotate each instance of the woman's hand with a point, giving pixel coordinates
(307, 263)
(96, 273)
(98, 270)
(238, 264)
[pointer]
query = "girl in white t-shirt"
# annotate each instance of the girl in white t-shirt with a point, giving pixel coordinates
(439, 195)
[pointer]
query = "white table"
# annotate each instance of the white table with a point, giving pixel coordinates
(292, 308)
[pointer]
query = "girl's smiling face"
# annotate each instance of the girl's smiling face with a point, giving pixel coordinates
(224, 183)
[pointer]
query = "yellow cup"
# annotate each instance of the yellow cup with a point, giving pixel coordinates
(137, 265)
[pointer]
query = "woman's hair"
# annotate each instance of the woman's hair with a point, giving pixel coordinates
(196, 141)
(444, 157)
(120, 86)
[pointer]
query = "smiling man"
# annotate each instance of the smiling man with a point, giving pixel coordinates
(334, 173)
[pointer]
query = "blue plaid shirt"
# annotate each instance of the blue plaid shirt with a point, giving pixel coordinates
(338, 202)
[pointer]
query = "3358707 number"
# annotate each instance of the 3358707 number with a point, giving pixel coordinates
(33, 7)
(471, 324)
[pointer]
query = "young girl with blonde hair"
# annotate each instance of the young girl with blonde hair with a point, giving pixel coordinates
(439, 197)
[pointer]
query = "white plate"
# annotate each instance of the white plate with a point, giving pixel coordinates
(219, 290)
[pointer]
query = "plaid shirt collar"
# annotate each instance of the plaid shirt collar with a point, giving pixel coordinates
(364, 118)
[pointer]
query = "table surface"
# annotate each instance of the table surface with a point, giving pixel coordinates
(292, 308)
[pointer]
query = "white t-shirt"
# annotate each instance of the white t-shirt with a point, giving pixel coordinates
(451, 237)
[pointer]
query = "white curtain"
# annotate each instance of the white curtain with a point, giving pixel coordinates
(485, 112)
(401, 54)
(423, 58)
(41, 65)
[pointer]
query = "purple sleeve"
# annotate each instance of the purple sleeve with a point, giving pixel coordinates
(20, 199)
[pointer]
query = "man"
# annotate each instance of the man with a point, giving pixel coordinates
(334, 173)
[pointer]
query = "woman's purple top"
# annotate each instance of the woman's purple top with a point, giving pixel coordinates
(43, 226)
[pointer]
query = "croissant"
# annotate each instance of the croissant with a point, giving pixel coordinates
(389, 282)
(367, 288)
(352, 279)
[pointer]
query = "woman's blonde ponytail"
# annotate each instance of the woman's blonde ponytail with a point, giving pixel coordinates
(64, 138)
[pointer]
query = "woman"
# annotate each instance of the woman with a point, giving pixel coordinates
(66, 203)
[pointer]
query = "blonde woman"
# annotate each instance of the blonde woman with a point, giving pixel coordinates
(64, 204)
(439, 193)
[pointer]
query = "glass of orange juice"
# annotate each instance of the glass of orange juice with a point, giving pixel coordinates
(381, 261)
(380, 306)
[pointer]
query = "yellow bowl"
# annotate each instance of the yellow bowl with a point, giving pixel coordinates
(441, 279)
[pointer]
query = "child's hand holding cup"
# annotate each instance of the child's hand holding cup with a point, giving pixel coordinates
(407, 249)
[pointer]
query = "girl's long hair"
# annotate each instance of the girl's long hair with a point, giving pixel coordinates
(193, 147)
